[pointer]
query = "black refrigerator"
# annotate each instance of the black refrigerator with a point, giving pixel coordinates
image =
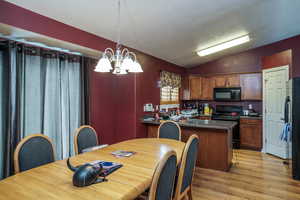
(295, 100)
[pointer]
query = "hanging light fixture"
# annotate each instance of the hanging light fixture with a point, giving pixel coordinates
(123, 60)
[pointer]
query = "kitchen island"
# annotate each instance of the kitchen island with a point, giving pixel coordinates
(215, 146)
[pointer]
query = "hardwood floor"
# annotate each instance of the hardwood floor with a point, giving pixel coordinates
(254, 175)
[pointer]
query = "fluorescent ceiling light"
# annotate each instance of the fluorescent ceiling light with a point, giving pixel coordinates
(224, 45)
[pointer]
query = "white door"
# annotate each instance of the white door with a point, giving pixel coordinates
(274, 94)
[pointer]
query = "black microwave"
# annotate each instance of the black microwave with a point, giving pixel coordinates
(227, 94)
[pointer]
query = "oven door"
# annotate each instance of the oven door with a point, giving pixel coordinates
(227, 94)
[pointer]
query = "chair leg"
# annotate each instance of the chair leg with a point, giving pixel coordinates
(189, 193)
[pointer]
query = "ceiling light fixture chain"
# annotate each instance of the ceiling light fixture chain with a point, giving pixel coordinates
(124, 61)
(119, 23)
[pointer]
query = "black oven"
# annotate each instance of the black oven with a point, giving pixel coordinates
(227, 94)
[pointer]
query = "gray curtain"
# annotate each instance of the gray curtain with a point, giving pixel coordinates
(85, 65)
(14, 65)
(52, 119)
(32, 86)
(45, 90)
(2, 117)
(71, 103)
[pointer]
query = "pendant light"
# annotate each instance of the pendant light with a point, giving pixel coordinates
(120, 62)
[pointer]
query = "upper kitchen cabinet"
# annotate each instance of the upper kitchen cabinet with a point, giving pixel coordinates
(233, 80)
(201, 88)
(208, 84)
(191, 88)
(195, 87)
(227, 80)
(220, 81)
(185, 88)
(251, 85)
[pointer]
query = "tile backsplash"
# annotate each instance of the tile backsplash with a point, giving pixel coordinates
(256, 105)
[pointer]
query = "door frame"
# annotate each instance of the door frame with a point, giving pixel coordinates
(265, 71)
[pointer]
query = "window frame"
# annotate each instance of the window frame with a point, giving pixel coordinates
(170, 101)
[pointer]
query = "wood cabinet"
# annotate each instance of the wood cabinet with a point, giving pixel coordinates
(251, 85)
(152, 131)
(233, 80)
(204, 117)
(191, 88)
(195, 88)
(220, 81)
(201, 88)
(185, 88)
(215, 146)
(251, 133)
(208, 85)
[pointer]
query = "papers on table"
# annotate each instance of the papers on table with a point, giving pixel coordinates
(108, 167)
(121, 153)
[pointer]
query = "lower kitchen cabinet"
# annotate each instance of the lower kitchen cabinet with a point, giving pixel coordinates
(251, 133)
(204, 117)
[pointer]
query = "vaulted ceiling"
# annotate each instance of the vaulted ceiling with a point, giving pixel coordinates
(174, 30)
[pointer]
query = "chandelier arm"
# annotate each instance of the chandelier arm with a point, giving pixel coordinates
(133, 55)
(109, 51)
(125, 52)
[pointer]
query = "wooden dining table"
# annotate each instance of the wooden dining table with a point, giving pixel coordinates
(54, 181)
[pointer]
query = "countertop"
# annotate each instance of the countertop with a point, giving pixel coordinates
(197, 123)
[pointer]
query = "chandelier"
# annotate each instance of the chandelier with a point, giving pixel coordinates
(120, 62)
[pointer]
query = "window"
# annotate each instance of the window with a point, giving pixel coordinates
(169, 95)
(169, 90)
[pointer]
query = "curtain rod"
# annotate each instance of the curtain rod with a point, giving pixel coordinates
(32, 44)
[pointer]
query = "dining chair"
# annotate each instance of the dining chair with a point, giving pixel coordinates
(33, 151)
(183, 186)
(164, 178)
(85, 137)
(170, 130)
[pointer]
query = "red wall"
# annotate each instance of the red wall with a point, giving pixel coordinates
(146, 85)
(278, 59)
(116, 101)
(251, 60)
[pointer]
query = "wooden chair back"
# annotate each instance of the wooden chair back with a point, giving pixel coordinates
(33, 151)
(85, 137)
(170, 130)
(186, 170)
(164, 178)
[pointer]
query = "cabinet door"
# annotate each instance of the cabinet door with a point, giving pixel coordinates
(185, 89)
(208, 85)
(220, 81)
(152, 131)
(251, 135)
(251, 85)
(195, 88)
(204, 117)
(233, 80)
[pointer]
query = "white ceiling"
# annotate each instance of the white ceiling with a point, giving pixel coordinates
(174, 29)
